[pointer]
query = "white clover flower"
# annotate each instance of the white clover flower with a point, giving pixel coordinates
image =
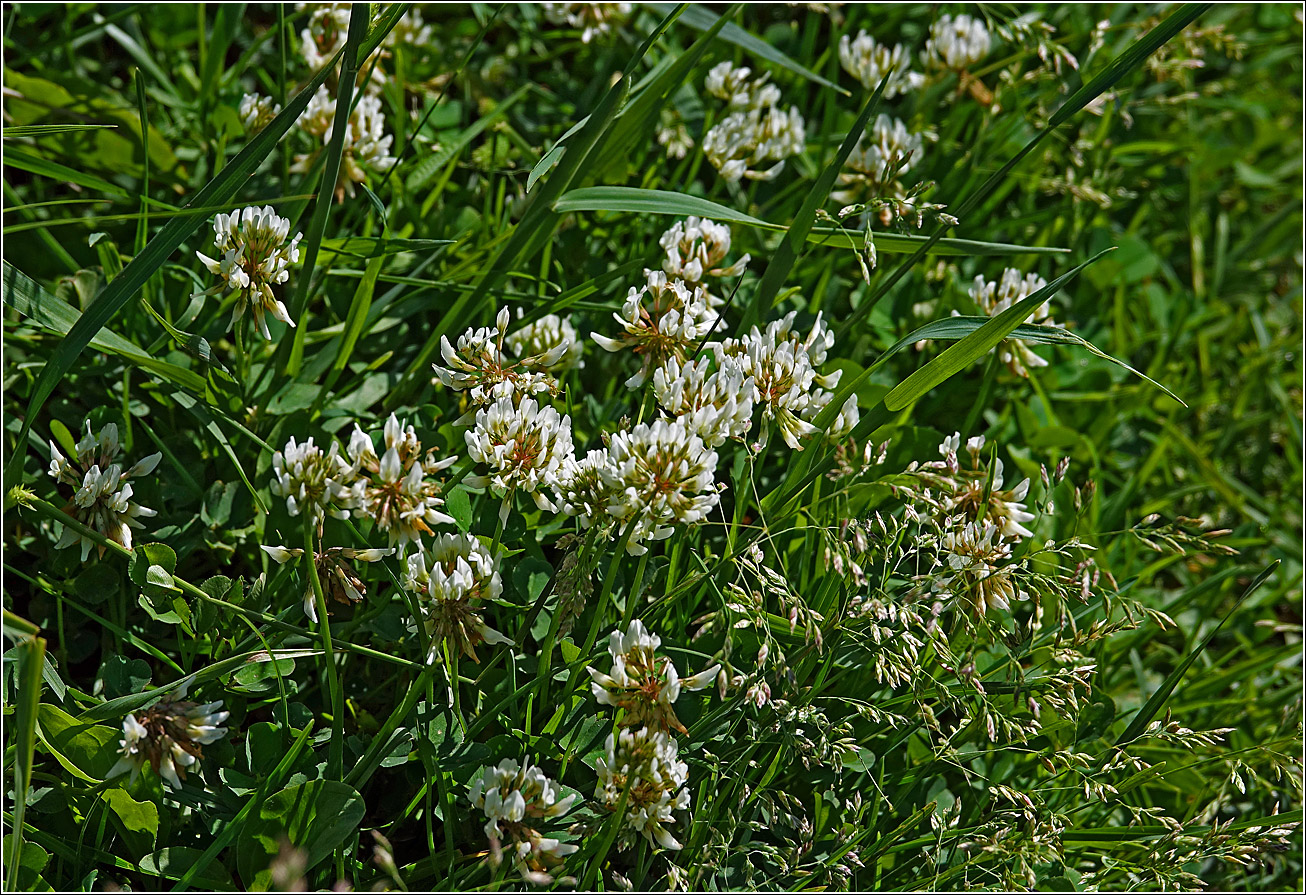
(716, 406)
(256, 111)
(696, 249)
(584, 490)
(479, 367)
(327, 31)
(673, 135)
(102, 492)
(659, 475)
(169, 735)
(550, 342)
(312, 481)
(366, 146)
(887, 150)
(255, 258)
(757, 132)
(994, 298)
(957, 43)
(643, 764)
(510, 795)
(954, 489)
(869, 61)
(782, 366)
(593, 19)
(525, 446)
(394, 489)
(411, 29)
(642, 682)
(974, 556)
(662, 319)
(338, 579)
(451, 578)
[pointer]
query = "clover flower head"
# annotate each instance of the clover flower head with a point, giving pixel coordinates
(974, 556)
(593, 19)
(325, 34)
(169, 735)
(995, 297)
(395, 489)
(255, 258)
(716, 405)
(366, 144)
(644, 764)
(756, 132)
(643, 683)
(662, 319)
(957, 42)
(584, 491)
(696, 249)
(961, 489)
(411, 30)
(884, 152)
(256, 111)
(479, 366)
(102, 491)
(313, 481)
(511, 795)
(340, 583)
(525, 446)
(659, 475)
(674, 135)
(869, 61)
(730, 84)
(550, 343)
(783, 367)
(451, 579)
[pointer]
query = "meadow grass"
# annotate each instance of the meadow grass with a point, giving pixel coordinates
(870, 470)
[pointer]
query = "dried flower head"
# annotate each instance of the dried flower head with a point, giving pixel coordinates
(511, 795)
(643, 683)
(255, 258)
(643, 764)
(102, 493)
(340, 583)
(395, 490)
(451, 578)
(169, 735)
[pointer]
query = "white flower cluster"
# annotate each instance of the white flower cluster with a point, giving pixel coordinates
(644, 765)
(255, 257)
(975, 557)
(510, 796)
(663, 319)
(887, 150)
(715, 405)
(783, 368)
(525, 446)
(169, 736)
(451, 578)
(994, 298)
(756, 136)
(102, 493)
(395, 490)
(869, 61)
(313, 481)
(593, 19)
(366, 145)
(327, 30)
(256, 111)
(479, 366)
(957, 43)
(696, 249)
(643, 683)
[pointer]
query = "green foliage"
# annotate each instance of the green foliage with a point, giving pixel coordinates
(885, 716)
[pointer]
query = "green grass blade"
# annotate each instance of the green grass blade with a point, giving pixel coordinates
(962, 354)
(1153, 705)
(31, 662)
(127, 285)
(786, 254)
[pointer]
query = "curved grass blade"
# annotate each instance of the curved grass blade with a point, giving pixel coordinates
(1153, 705)
(128, 284)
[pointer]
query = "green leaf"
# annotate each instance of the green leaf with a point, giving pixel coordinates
(139, 820)
(458, 503)
(171, 863)
(702, 19)
(962, 354)
(1153, 705)
(85, 749)
(317, 817)
(122, 676)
